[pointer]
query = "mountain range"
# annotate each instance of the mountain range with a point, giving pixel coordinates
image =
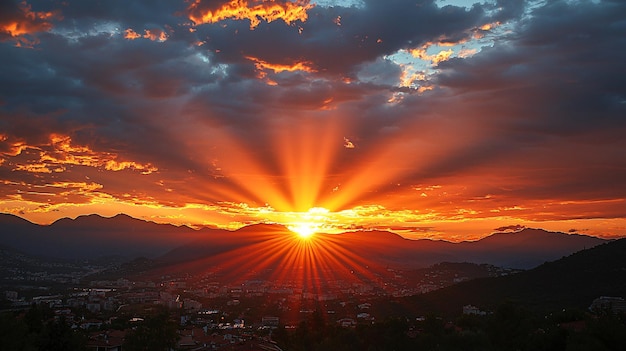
(94, 236)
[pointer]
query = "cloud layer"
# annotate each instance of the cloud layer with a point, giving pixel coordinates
(435, 120)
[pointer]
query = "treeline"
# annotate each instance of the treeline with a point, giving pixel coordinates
(511, 327)
(38, 329)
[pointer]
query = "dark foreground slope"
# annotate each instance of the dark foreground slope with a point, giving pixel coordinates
(571, 282)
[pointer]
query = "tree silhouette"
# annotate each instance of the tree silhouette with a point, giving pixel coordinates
(156, 333)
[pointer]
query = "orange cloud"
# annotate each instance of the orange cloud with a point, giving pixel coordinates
(155, 34)
(262, 66)
(36, 168)
(83, 155)
(152, 34)
(408, 76)
(467, 53)
(60, 153)
(444, 55)
(24, 23)
(82, 186)
(254, 11)
(441, 56)
(479, 32)
(488, 26)
(425, 88)
(131, 34)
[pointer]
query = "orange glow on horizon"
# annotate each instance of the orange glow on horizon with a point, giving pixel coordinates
(308, 223)
(315, 182)
(303, 230)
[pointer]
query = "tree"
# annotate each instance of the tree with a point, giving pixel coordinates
(156, 333)
(34, 330)
(61, 337)
(14, 333)
(510, 327)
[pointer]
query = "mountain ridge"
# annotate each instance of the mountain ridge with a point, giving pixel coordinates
(573, 281)
(90, 235)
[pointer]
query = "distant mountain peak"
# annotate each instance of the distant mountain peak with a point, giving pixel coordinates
(81, 218)
(529, 233)
(262, 228)
(523, 231)
(7, 218)
(118, 220)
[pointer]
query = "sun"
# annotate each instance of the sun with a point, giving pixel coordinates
(304, 230)
(306, 224)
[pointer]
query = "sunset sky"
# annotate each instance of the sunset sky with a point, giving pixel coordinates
(431, 119)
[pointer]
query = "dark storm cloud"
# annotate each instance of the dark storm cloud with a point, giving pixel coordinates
(543, 111)
(365, 34)
(100, 79)
(99, 84)
(137, 14)
(555, 91)
(560, 73)
(507, 10)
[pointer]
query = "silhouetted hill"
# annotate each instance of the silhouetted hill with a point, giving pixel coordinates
(525, 249)
(11, 220)
(92, 236)
(213, 242)
(571, 282)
